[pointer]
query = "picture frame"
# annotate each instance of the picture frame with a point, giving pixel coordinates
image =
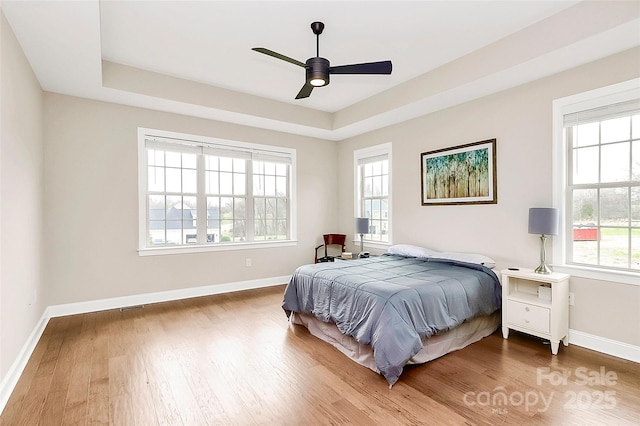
(463, 174)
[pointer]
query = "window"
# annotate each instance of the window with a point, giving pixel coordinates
(199, 194)
(598, 180)
(373, 191)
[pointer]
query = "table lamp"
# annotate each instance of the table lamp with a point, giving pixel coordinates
(543, 221)
(362, 227)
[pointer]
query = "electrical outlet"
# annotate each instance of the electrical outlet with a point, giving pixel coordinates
(248, 261)
(572, 299)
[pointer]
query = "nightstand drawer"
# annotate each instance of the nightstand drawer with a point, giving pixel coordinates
(528, 316)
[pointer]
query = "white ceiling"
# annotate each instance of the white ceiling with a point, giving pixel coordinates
(210, 42)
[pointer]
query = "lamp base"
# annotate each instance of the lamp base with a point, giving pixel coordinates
(543, 269)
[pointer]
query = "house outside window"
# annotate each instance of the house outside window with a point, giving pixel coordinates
(373, 191)
(205, 194)
(597, 182)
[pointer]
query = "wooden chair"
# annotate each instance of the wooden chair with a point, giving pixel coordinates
(331, 240)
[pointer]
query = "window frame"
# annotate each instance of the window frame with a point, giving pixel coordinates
(608, 95)
(384, 149)
(260, 151)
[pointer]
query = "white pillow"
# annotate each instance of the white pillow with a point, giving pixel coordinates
(411, 251)
(469, 258)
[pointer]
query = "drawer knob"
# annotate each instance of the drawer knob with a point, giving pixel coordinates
(526, 321)
(526, 309)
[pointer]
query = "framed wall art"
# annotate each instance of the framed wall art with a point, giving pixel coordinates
(464, 174)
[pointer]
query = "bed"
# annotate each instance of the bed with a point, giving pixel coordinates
(387, 311)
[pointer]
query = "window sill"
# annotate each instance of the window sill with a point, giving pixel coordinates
(622, 277)
(160, 251)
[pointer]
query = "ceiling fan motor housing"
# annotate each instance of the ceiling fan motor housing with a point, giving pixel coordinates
(317, 68)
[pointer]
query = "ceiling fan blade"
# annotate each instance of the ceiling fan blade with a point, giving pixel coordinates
(383, 67)
(305, 91)
(279, 56)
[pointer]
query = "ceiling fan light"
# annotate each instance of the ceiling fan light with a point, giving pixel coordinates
(317, 82)
(317, 71)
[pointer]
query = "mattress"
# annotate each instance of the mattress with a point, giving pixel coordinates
(434, 347)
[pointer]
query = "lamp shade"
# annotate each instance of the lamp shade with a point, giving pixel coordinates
(362, 225)
(543, 221)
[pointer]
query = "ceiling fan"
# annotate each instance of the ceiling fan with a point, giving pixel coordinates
(318, 69)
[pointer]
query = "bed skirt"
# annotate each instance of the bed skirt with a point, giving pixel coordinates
(433, 347)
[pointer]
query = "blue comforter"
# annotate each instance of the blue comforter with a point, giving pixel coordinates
(391, 302)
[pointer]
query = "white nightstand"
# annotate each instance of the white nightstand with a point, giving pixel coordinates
(524, 310)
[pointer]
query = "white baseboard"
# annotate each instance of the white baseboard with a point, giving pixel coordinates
(15, 371)
(10, 380)
(162, 296)
(604, 345)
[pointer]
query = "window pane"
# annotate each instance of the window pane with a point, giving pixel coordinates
(190, 236)
(376, 168)
(614, 247)
(269, 185)
(367, 208)
(173, 159)
(156, 207)
(189, 161)
(281, 186)
(155, 157)
(585, 165)
(239, 185)
(615, 130)
(635, 249)
(585, 207)
(586, 134)
(635, 126)
(368, 170)
(282, 229)
(226, 183)
(239, 165)
(615, 162)
(239, 210)
(226, 207)
(226, 230)
(585, 251)
(281, 169)
(377, 186)
(258, 185)
(635, 163)
(614, 206)
(213, 219)
(156, 179)
(635, 206)
(174, 235)
(212, 183)
(211, 162)
(174, 180)
(269, 168)
(282, 208)
(189, 181)
(226, 164)
(239, 233)
(368, 187)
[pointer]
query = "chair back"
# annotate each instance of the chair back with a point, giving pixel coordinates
(339, 240)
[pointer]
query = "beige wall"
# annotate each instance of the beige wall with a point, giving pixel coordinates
(91, 204)
(21, 158)
(520, 120)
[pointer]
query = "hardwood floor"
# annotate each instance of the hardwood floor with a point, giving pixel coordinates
(234, 359)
